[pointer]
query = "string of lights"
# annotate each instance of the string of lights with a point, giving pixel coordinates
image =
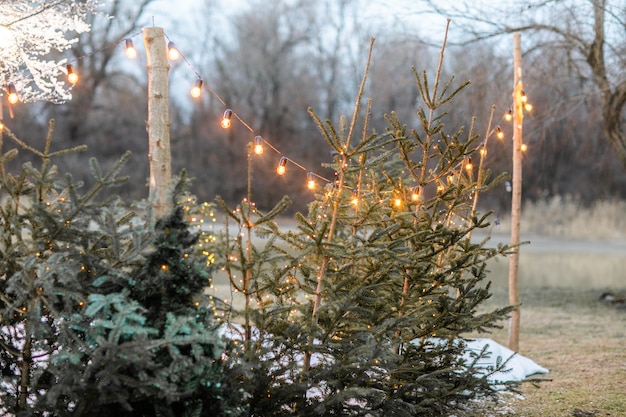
(259, 143)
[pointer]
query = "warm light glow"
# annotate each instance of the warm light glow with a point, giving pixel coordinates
(282, 166)
(499, 133)
(415, 194)
(1, 125)
(72, 77)
(131, 52)
(508, 116)
(12, 94)
(258, 145)
(196, 90)
(172, 51)
(523, 98)
(482, 149)
(226, 120)
(397, 202)
(310, 180)
(450, 178)
(468, 165)
(528, 107)
(355, 197)
(524, 147)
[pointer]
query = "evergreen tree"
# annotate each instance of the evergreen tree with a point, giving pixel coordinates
(102, 315)
(362, 309)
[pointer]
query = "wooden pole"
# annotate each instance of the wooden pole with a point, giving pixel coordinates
(516, 198)
(158, 124)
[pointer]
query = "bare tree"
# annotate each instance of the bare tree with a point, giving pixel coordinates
(591, 32)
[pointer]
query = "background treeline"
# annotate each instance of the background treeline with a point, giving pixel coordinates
(273, 60)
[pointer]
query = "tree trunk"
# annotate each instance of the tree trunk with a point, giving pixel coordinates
(516, 198)
(158, 124)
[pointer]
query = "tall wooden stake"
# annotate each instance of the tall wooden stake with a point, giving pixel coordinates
(516, 198)
(158, 124)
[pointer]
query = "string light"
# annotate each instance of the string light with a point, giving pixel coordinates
(508, 116)
(415, 193)
(282, 166)
(1, 124)
(310, 180)
(355, 197)
(499, 133)
(226, 120)
(468, 165)
(72, 77)
(482, 149)
(131, 52)
(196, 90)
(524, 147)
(258, 145)
(172, 51)
(12, 97)
(523, 97)
(528, 107)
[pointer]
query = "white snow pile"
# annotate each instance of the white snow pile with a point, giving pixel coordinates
(516, 367)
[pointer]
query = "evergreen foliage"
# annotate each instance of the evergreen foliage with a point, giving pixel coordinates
(361, 310)
(100, 314)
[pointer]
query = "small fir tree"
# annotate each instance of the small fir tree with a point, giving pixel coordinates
(362, 309)
(102, 315)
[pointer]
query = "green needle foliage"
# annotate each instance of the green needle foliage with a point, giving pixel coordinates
(101, 314)
(361, 311)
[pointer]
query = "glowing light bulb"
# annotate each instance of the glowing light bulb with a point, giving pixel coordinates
(528, 107)
(523, 98)
(415, 194)
(172, 52)
(482, 150)
(72, 77)
(508, 116)
(450, 178)
(355, 197)
(310, 180)
(499, 133)
(131, 52)
(524, 147)
(1, 124)
(12, 94)
(196, 90)
(397, 202)
(282, 166)
(258, 145)
(226, 120)
(468, 165)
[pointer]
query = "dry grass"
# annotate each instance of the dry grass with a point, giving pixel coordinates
(582, 341)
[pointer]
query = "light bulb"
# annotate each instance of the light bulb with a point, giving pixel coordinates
(397, 202)
(226, 120)
(482, 150)
(355, 197)
(508, 116)
(72, 77)
(1, 124)
(524, 147)
(450, 178)
(196, 90)
(258, 145)
(131, 52)
(282, 166)
(172, 51)
(468, 165)
(523, 97)
(528, 107)
(415, 194)
(12, 94)
(499, 133)
(310, 180)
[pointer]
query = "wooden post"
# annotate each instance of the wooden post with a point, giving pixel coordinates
(158, 124)
(516, 198)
